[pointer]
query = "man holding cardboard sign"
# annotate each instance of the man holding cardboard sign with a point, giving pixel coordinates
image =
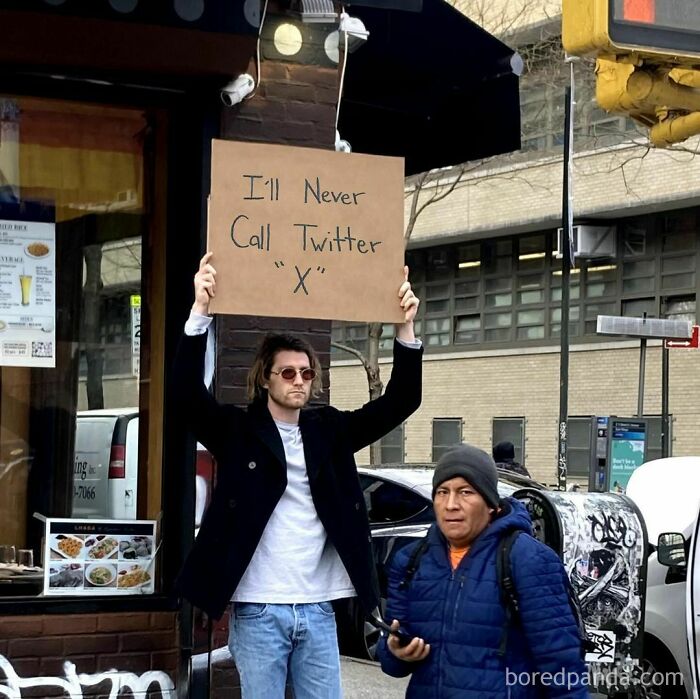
(286, 532)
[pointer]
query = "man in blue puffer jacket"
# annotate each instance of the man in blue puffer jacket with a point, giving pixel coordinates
(452, 603)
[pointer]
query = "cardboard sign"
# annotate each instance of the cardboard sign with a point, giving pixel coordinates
(306, 233)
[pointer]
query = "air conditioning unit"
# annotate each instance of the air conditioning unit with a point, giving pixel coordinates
(590, 242)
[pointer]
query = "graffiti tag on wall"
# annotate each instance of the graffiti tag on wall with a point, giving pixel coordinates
(11, 685)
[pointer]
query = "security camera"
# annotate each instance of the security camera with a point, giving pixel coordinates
(355, 30)
(237, 90)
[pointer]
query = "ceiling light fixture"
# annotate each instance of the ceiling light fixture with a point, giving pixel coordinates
(532, 256)
(602, 268)
(287, 39)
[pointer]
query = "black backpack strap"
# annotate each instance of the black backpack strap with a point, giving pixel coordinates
(414, 562)
(504, 575)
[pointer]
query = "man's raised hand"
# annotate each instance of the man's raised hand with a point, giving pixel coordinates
(204, 285)
(409, 303)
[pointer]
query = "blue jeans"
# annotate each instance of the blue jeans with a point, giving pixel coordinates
(278, 644)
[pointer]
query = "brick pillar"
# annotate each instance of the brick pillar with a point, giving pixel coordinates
(294, 105)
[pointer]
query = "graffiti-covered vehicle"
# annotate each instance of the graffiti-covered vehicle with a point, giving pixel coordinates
(602, 541)
(667, 492)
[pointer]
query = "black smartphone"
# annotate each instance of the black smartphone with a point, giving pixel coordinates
(404, 637)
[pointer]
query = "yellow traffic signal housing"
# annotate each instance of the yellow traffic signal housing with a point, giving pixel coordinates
(662, 98)
(648, 60)
(657, 29)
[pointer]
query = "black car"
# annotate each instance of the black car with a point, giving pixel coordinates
(400, 510)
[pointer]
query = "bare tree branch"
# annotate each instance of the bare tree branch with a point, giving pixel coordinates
(351, 350)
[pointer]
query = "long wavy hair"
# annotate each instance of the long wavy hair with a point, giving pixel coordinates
(259, 373)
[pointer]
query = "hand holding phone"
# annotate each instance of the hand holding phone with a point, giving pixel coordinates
(403, 636)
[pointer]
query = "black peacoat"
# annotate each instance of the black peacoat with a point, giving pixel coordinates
(252, 475)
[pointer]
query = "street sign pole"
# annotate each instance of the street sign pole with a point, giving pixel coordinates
(567, 233)
(642, 371)
(665, 436)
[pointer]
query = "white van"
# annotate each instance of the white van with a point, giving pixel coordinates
(106, 466)
(667, 492)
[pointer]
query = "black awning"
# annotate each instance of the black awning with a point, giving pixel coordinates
(430, 86)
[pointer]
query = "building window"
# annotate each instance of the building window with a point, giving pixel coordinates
(654, 436)
(510, 429)
(508, 291)
(392, 446)
(578, 445)
(679, 308)
(77, 179)
(437, 332)
(467, 329)
(447, 432)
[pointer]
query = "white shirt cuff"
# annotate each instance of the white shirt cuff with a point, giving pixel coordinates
(411, 344)
(197, 324)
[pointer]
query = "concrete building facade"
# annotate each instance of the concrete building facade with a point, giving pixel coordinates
(483, 262)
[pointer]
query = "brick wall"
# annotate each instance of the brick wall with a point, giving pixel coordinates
(479, 386)
(293, 105)
(38, 646)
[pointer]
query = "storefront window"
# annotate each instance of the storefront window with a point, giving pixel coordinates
(74, 222)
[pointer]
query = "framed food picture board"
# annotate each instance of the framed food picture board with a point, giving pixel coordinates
(98, 557)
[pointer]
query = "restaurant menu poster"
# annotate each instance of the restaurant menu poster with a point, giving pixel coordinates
(99, 557)
(27, 293)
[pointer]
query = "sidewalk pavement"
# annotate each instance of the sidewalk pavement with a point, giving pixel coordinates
(363, 679)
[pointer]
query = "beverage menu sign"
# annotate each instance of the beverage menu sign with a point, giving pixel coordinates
(27, 293)
(99, 557)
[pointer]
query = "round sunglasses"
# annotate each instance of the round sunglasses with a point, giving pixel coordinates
(289, 373)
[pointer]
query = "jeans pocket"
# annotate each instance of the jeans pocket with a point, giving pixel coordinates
(326, 608)
(248, 610)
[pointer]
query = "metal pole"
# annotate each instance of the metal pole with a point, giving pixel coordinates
(567, 233)
(665, 432)
(642, 368)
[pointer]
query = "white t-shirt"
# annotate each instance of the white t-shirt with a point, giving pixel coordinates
(294, 561)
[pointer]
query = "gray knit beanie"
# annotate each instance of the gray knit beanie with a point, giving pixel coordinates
(475, 466)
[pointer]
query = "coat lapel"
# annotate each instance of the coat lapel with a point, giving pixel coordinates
(266, 431)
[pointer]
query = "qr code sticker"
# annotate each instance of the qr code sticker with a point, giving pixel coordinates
(42, 349)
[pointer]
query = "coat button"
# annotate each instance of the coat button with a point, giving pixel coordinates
(252, 465)
(231, 503)
(357, 505)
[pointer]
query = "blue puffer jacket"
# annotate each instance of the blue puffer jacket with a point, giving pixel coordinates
(461, 615)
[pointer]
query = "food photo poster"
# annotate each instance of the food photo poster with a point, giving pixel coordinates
(99, 557)
(27, 293)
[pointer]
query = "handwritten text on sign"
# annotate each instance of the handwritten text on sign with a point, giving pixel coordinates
(299, 232)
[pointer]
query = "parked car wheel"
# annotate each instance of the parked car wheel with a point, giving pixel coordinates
(658, 661)
(357, 636)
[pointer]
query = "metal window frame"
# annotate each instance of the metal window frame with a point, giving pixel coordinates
(523, 438)
(444, 446)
